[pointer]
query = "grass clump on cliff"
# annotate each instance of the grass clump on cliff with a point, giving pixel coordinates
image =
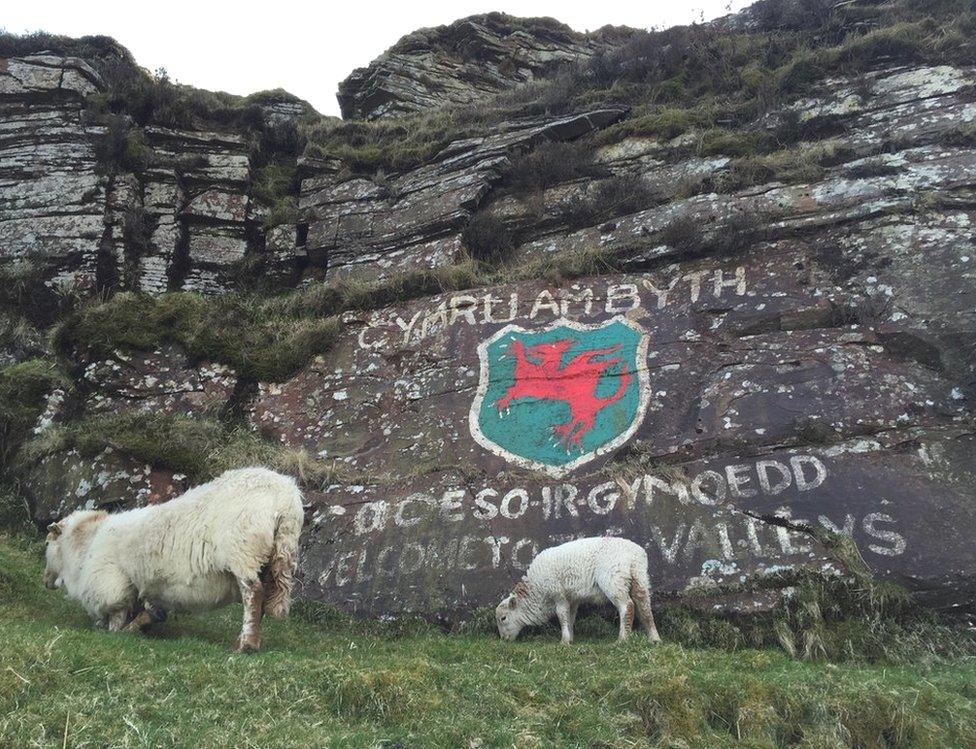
(245, 332)
(389, 145)
(325, 679)
(198, 447)
(23, 387)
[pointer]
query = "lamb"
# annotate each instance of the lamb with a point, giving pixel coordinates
(589, 570)
(234, 538)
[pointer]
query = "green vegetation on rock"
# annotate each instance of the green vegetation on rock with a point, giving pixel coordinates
(249, 333)
(199, 447)
(23, 387)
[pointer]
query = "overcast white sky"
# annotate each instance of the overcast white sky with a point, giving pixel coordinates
(306, 48)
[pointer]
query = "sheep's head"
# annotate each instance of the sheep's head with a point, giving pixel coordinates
(65, 539)
(509, 613)
(53, 556)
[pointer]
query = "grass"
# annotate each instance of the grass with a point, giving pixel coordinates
(248, 332)
(264, 338)
(22, 390)
(323, 679)
(199, 447)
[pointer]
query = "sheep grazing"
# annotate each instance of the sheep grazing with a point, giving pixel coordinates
(234, 538)
(589, 570)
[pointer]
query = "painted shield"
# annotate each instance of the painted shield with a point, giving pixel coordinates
(556, 398)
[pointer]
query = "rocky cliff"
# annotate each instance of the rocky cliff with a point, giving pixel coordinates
(467, 60)
(712, 288)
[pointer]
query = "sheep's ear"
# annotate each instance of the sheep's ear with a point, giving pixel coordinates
(54, 531)
(512, 601)
(521, 589)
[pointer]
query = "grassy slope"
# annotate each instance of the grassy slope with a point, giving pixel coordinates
(337, 682)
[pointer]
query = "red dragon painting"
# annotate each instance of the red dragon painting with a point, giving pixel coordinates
(540, 373)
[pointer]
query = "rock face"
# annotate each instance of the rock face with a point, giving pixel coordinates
(62, 483)
(52, 203)
(157, 382)
(59, 210)
(460, 63)
(756, 353)
(732, 376)
(820, 376)
(361, 229)
(200, 209)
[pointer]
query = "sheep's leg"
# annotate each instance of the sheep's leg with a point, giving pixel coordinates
(565, 624)
(625, 608)
(573, 608)
(116, 597)
(642, 600)
(252, 595)
(615, 590)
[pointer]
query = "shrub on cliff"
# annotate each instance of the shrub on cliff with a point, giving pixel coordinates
(121, 148)
(95, 48)
(487, 238)
(275, 186)
(550, 164)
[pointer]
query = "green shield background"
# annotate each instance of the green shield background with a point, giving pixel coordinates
(526, 429)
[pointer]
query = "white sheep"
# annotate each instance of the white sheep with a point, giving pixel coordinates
(234, 538)
(589, 570)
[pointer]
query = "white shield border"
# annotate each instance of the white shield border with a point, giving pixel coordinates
(643, 390)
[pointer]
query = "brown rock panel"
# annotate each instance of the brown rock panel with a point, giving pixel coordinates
(157, 382)
(760, 398)
(460, 542)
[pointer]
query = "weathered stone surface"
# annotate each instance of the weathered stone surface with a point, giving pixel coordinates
(52, 203)
(157, 382)
(57, 211)
(788, 208)
(286, 258)
(449, 542)
(162, 197)
(64, 482)
(202, 209)
(371, 230)
(875, 125)
(460, 63)
(219, 205)
(745, 362)
(47, 73)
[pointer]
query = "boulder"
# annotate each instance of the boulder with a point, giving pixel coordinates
(156, 382)
(63, 482)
